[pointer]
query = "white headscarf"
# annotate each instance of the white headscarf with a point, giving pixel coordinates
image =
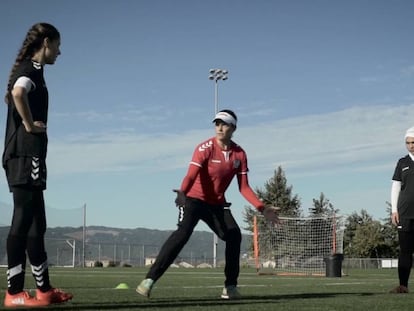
(409, 133)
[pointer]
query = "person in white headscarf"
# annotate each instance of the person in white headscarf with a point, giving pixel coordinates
(402, 205)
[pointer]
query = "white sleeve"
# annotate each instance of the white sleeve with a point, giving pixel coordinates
(25, 83)
(395, 193)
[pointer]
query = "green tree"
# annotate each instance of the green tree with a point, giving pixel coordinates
(322, 207)
(390, 235)
(276, 192)
(368, 239)
(351, 224)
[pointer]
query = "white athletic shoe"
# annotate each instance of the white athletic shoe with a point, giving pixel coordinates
(144, 288)
(230, 292)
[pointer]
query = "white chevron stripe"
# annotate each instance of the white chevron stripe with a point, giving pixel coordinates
(38, 272)
(14, 271)
(35, 162)
(39, 281)
(205, 146)
(35, 168)
(181, 214)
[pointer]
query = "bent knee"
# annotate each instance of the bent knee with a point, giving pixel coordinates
(234, 235)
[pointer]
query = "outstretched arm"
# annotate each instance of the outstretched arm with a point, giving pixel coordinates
(248, 192)
(270, 213)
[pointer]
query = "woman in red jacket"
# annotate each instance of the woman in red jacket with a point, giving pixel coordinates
(201, 196)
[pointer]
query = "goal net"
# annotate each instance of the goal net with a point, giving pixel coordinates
(298, 246)
(61, 252)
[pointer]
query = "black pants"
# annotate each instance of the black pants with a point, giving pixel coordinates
(26, 234)
(405, 258)
(219, 220)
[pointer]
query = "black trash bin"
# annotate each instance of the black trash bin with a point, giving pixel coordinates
(333, 265)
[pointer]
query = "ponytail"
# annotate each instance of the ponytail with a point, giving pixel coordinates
(31, 44)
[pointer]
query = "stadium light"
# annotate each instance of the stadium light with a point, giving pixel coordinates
(216, 75)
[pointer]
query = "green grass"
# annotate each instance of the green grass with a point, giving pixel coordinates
(199, 289)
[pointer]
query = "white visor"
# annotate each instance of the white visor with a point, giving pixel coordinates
(225, 117)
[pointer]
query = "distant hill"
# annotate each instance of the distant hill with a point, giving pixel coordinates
(127, 245)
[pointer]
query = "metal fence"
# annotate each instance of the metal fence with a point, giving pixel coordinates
(369, 263)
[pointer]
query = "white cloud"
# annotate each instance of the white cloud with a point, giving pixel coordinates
(362, 137)
(359, 136)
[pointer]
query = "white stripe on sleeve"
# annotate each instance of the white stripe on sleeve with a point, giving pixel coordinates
(395, 193)
(25, 83)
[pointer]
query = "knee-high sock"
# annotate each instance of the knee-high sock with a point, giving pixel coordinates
(16, 263)
(38, 261)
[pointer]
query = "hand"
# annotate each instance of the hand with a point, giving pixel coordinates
(180, 199)
(271, 214)
(395, 218)
(35, 128)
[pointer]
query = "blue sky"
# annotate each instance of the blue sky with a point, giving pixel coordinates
(323, 88)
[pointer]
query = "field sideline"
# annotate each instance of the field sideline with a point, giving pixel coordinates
(199, 289)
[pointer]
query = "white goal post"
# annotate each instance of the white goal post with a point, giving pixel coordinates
(298, 246)
(61, 252)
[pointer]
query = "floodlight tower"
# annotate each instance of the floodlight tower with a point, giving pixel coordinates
(216, 75)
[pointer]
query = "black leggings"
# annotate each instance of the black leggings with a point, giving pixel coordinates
(29, 218)
(405, 258)
(28, 228)
(219, 220)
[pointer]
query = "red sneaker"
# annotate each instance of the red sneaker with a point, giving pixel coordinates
(53, 295)
(22, 299)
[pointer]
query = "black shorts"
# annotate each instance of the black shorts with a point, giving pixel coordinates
(30, 172)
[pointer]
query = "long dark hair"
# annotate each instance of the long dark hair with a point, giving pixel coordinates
(31, 44)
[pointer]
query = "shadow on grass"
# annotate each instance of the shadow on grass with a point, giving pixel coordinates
(200, 302)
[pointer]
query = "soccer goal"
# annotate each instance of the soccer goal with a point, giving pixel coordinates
(61, 252)
(298, 246)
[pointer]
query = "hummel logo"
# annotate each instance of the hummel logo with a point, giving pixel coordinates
(35, 168)
(205, 146)
(181, 214)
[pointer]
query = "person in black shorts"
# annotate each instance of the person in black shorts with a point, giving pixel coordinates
(402, 205)
(24, 162)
